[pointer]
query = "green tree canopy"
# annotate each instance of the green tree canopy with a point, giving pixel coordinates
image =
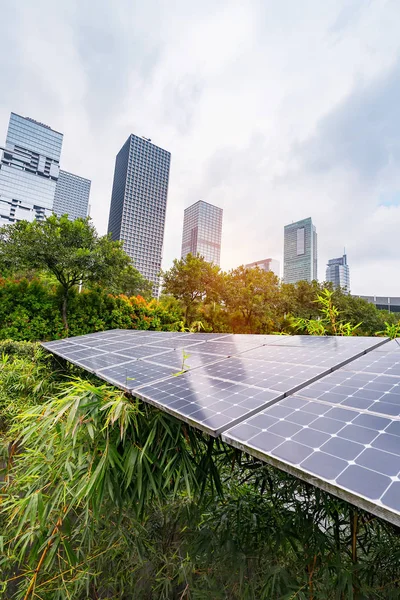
(71, 250)
(131, 283)
(192, 280)
(253, 294)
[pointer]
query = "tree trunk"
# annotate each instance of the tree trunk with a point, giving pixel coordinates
(64, 310)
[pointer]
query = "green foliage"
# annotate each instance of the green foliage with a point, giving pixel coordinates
(130, 282)
(106, 497)
(29, 310)
(392, 330)
(70, 250)
(191, 280)
(88, 454)
(253, 301)
(329, 322)
(25, 379)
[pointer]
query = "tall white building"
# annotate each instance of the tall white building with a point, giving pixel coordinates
(202, 230)
(138, 204)
(300, 252)
(338, 272)
(268, 264)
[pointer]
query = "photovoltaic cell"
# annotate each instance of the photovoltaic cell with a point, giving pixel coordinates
(132, 375)
(345, 451)
(267, 374)
(138, 352)
(98, 362)
(328, 357)
(364, 391)
(391, 346)
(191, 360)
(379, 363)
(204, 402)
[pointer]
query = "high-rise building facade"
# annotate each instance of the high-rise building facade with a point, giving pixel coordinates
(31, 183)
(268, 264)
(139, 202)
(202, 230)
(338, 273)
(29, 170)
(71, 195)
(391, 304)
(300, 252)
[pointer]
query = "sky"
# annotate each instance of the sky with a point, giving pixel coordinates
(273, 110)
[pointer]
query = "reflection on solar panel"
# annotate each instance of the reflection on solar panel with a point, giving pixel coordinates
(324, 409)
(341, 433)
(207, 403)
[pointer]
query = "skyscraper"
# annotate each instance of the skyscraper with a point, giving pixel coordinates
(202, 228)
(139, 202)
(29, 170)
(300, 252)
(268, 264)
(72, 195)
(31, 183)
(338, 272)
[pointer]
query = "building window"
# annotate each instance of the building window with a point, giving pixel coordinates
(300, 241)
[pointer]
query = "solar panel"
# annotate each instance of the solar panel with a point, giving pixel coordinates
(175, 342)
(389, 346)
(340, 430)
(364, 391)
(276, 376)
(279, 368)
(205, 402)
(316, 356)
(377, 362)
(132, 375)
(175, 359)
(360, 344)
(346, 451)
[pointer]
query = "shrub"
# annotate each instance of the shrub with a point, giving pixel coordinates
(30, 311)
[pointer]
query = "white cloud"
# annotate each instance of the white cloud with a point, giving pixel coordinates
(273, 111)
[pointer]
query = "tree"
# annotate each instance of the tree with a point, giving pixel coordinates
(252, 294)
(71, 250)
(131, 283)
(192, 280)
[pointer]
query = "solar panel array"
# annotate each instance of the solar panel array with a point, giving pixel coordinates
(341, 433)
(326, 409)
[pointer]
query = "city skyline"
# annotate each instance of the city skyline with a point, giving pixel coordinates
(71, 195)
(265, 154)
(138, 204)
(202, 230)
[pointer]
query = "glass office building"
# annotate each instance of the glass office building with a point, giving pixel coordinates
(391, 304)
(139, 202)
(29, 170)
(71, 195)
(338, 273)
(300, 252)
(268, 264)
(202, 229)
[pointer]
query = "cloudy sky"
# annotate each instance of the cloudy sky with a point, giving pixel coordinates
(275, 110)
